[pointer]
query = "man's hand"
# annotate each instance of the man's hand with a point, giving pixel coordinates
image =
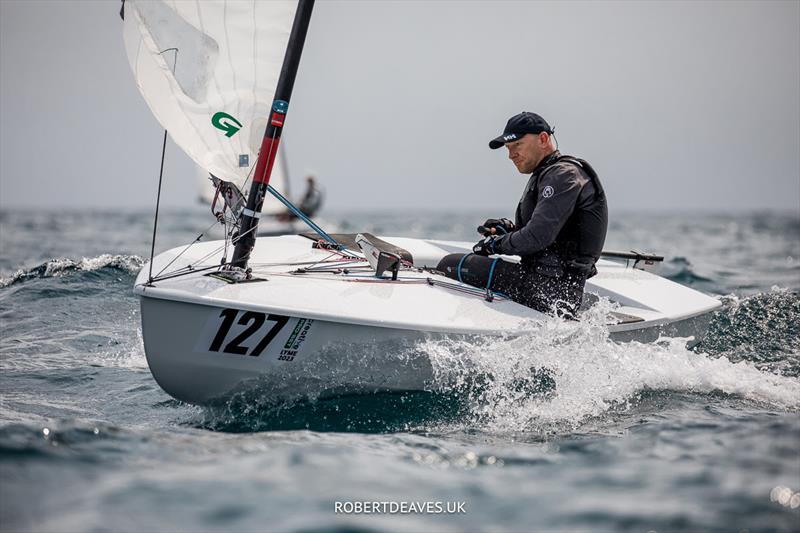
(496, 226)
(485, 247)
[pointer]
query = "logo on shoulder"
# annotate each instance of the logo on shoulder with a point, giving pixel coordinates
(547, 192)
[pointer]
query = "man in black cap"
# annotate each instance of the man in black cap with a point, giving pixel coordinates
(558, 230)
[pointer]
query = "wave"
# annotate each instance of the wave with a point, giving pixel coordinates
(763, 328)
(680, 270)
(67, 439)
(91, 315)
(129, 264)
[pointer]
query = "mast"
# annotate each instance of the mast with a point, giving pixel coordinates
(272, 136)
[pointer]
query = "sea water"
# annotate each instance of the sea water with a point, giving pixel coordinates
(634, 437)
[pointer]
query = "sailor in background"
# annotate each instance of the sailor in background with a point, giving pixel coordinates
(558, 230)
(312, 199)
(309, 203)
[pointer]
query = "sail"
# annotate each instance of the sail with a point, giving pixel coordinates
(214, 94)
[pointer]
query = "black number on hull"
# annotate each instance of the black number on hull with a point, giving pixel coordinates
(280, 321)
(229, 315)
(255, 321)
(258, 321)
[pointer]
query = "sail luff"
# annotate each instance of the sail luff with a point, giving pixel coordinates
(271, 140)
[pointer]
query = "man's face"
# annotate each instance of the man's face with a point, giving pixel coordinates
(529, 151)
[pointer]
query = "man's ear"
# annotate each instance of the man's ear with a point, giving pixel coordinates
(544, 137)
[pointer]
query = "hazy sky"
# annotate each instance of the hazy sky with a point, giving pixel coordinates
(677, 105)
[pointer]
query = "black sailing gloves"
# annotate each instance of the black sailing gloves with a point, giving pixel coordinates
(501, 226)
(492, 229)
(486, 246)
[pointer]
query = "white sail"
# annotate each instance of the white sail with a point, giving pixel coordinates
(216, 100)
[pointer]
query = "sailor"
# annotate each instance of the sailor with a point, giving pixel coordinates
(558, 230)
(312, 199)
(309, 203)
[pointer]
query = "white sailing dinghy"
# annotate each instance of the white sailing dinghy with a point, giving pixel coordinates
(318, 313)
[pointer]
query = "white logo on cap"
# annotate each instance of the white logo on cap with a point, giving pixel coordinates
(509, 137)
(547, 192)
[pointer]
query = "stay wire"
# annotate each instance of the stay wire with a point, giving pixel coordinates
(197, 239)
(209, 254)
(160, 178)
(216, 250)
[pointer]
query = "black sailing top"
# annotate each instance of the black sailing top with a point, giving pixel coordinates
(562, 214)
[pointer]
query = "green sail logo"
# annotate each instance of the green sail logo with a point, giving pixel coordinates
(225, 122)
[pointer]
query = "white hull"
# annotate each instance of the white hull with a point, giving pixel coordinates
(329, 333)
(336, 358)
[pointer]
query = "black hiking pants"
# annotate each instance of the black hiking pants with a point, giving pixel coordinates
(524, 284)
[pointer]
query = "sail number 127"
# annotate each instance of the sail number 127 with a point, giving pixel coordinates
(253, 321)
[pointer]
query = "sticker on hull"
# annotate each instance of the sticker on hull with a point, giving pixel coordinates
(295, 340)
(245, 333)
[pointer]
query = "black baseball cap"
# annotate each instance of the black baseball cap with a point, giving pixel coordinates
(518, 125)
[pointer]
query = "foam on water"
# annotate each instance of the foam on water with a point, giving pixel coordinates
(124, 355)
(592, 374)
(62, 266)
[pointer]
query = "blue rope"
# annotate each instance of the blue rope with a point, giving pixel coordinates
(458, 268)
(491, 273)
(299, 214)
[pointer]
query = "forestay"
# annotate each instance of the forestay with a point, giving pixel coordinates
(216, 102)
